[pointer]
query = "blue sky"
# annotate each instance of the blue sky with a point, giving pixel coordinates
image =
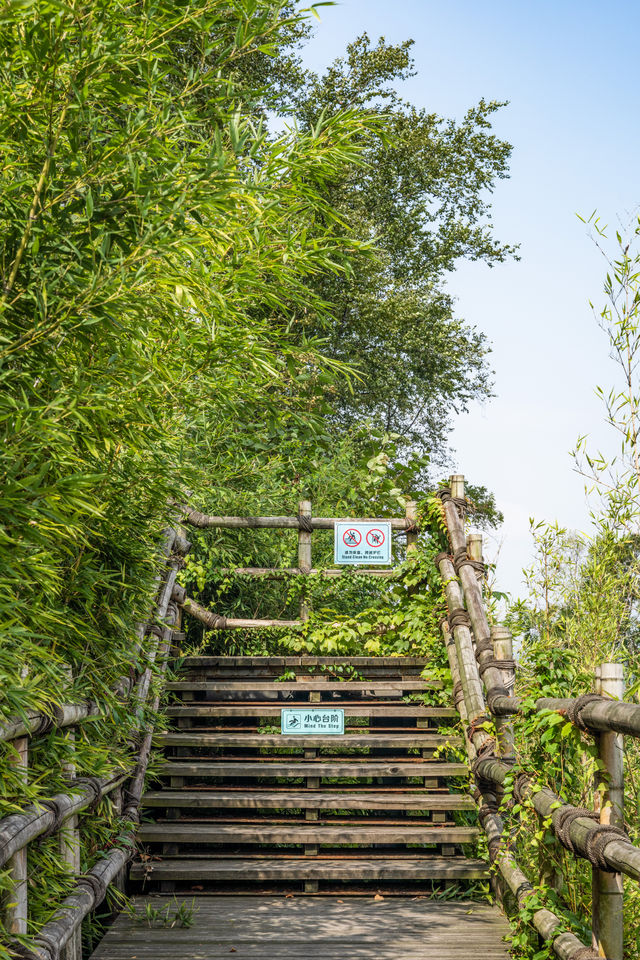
(568, 70)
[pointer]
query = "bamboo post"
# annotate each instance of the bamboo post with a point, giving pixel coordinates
(304, 550)
(411, 515)
(503, 650)
(474, 549)
(69, 846)
(607, 918)
(18, 905)
(456, 485)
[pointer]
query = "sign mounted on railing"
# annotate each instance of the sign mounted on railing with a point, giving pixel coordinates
(361, 542)
(301, 720)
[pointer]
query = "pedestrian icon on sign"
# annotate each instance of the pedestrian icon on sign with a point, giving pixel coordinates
(375, 538)
(351, 538)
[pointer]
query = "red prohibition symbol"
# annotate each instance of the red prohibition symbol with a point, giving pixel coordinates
(351, 538)
(375, 537)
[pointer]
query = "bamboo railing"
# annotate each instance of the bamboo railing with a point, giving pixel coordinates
(305, 523)
(60, 937)
(483, 670)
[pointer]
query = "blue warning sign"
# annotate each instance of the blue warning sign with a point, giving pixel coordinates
(362, 542)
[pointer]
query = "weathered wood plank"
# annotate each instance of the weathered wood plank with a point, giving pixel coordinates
(311, 832)
(269, 709)
(300, 768)
(427, 868)
(309, 799)
(349, 741)
(375, 688)
(304, 662)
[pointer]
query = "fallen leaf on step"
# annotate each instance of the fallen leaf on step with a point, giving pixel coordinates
(339, 901)
(233, 950)
(289, 896)
(378, 896)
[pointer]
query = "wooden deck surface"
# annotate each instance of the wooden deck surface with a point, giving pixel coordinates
(326, 928)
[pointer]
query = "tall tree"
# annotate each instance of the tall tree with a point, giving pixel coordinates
(424, 197)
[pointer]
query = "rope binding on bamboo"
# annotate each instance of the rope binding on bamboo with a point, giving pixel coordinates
(462, 559)
(598, 840)
(305, 523)
(564, 817)
(459, 617)
(574, 710)
(484, 645)
(497, 664)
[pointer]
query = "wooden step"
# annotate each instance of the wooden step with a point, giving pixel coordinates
(373, 688)
(309, 799)
(412, 739)
(269, 709)
(315, 832)
(187, 663)
(316, 768)
(236, 870)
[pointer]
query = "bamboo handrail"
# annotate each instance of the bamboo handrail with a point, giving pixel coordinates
(599, 716)
(215, 621)
(565, 944)
(621, 855)
(475, 666)
(203, 521)
(35, 722)
(48, 815)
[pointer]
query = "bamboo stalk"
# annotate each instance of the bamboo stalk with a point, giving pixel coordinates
(469, 676)
(497, 696)
(304, 550)
(17, 912)
(215, 621)
(503, 650)
(69, 844)
(411, 517)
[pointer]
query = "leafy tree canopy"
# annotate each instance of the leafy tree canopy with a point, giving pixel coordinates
(424, 197)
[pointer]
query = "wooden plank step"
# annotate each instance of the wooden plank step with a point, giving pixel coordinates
(309, 799)
(291, 661)
(315, 768)
(312, 832)
(269, 709)
(374, 688)
(294, 868)
(412, 739)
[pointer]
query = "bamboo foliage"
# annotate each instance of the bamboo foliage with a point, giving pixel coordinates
(153, 263)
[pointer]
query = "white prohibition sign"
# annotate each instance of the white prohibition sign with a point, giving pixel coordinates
(375, 537)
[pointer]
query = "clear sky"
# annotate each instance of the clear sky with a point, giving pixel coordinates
(569, 71)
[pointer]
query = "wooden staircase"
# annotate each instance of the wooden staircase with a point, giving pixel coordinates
(242, 808)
